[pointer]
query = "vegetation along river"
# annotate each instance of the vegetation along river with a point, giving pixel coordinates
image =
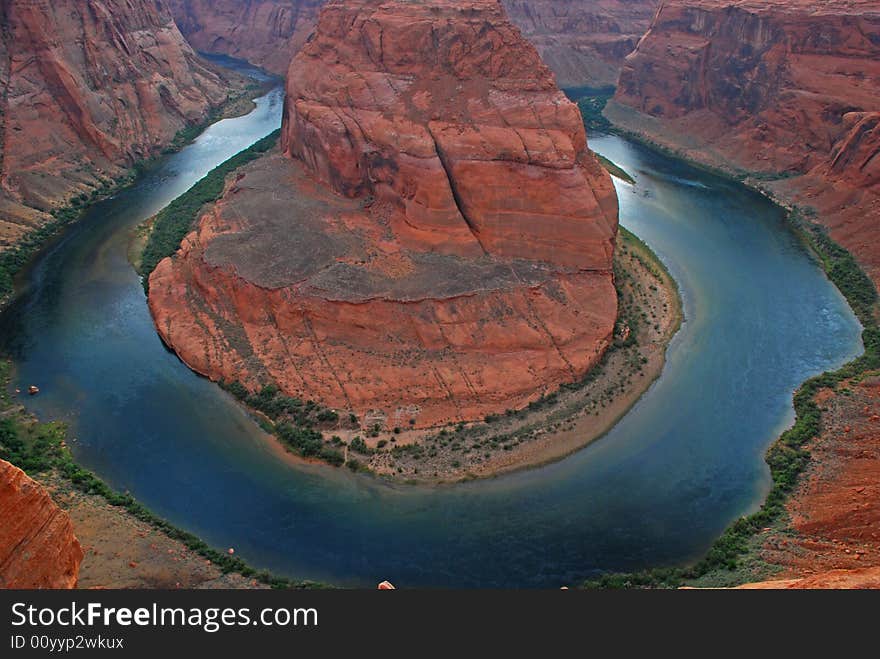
(761, 318)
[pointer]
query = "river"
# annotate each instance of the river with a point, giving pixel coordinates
(688, 459)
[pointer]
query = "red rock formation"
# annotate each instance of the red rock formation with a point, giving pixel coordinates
(267, 33)
(37, 545)
(465, 268)
(790, 89)
(89, 88)
(833, 579)
(444, 112)
(584, 43)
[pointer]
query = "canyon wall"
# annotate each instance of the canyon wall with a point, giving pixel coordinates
(267, 33)
(433, 244)
(583, 42)
(89, 89)
(37, 546)
(789, 91)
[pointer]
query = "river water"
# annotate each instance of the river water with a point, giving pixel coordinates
(687, 460)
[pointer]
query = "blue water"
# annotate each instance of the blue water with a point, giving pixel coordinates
(686, 461)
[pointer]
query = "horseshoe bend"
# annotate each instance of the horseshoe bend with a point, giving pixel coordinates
(431, 243)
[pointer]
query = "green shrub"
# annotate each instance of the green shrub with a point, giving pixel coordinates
(359, 445)
(177, 219)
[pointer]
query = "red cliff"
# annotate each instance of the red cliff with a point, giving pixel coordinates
(787, 89)
(437, 244)
(89, 89)
(37, 545)
(584, 43)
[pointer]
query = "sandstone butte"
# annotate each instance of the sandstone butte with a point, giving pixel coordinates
(435, 241)
(789, 89)
(37, 546)
(89, 88)
(584, 43)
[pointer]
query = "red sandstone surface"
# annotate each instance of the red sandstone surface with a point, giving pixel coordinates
(437, 243)
(89, 88)
(833, 579)
(584, 43)
(789, 89)
(37, 546)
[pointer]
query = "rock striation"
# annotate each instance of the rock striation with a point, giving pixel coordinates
(37, 546)
(789, 90)
(433, 244)
(89, 89)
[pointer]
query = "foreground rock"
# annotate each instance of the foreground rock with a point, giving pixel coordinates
(435, 246)
(584, 43)
(89, 89)
(787, 89)
(37, 546)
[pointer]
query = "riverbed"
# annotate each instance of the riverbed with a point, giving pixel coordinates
(760, 318)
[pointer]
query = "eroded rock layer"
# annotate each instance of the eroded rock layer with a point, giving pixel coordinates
(89, 88)
(436, 245)
(787, 89)
(37, 546)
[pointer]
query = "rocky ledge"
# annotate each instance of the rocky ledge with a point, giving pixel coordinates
(433, 244)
